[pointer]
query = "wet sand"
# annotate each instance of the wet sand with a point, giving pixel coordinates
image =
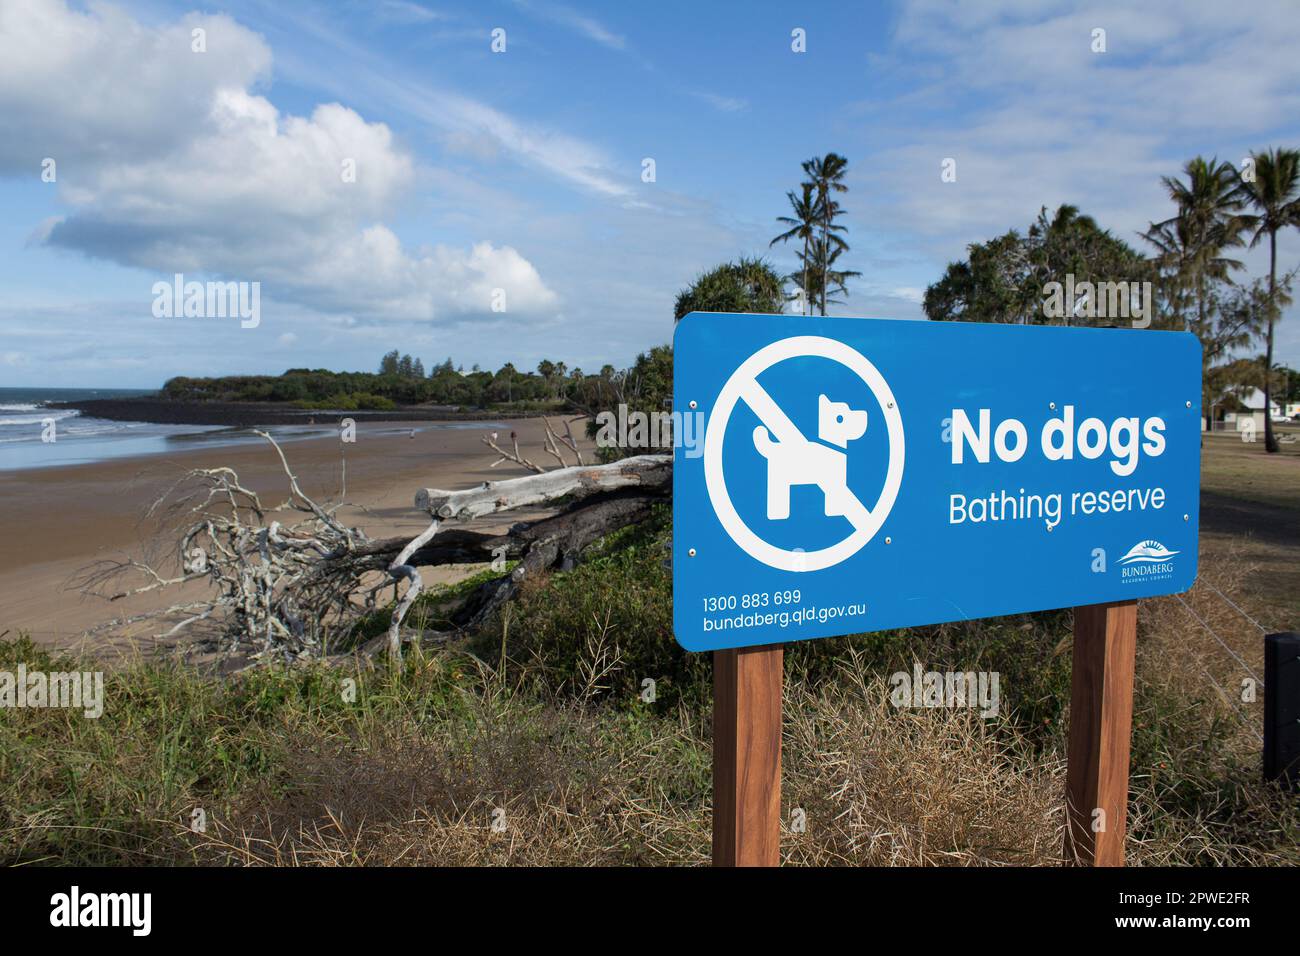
(55, 522)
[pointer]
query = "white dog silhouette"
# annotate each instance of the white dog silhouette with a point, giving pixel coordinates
(812, 463)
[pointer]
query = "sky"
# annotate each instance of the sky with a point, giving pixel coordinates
(524, 170)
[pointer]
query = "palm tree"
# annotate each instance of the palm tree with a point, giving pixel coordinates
(827, 174)
(1274, 192)
(803, 225)
(1173, 251)
(832, 277)
(1209, 220)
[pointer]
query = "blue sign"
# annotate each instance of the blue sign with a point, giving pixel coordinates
(834, 476)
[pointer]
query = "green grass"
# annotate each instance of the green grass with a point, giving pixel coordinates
(124, 788)
(349, 402)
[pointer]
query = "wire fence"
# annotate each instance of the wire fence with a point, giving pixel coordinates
(1222, 643)
(1232, 605)
(1233, 700)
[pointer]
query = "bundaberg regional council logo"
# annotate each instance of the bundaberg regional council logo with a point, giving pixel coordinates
(1147, 561)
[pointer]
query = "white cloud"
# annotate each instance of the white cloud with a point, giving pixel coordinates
(468, 124)
(1033, 116)
(912, 294)
(566, 16)
(724, 104)
(486, 129)
(404, 11)
(174, 164)
(1014, 93)
(98, 87)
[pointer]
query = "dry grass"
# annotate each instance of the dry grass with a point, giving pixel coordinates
(583, 785)
(913, 787)
(876, 787)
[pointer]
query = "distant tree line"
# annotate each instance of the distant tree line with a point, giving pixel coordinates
(402, 380)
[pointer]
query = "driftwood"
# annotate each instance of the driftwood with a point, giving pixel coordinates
(594, 512)
(553, 442)
(281, 588)
(553, 542)
(649, 472)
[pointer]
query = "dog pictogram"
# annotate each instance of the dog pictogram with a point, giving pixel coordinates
(790, 458)
(803, 462)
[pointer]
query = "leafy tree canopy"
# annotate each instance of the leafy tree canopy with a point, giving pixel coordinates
(746, 285)
(1003, 279)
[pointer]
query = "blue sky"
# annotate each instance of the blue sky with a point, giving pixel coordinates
(522, 170)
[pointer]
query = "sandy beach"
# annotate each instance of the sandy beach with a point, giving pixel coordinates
(58, 521)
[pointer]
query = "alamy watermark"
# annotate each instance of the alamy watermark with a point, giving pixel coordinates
(634, 429)
(946, 689)
(208, 300)
(73, 690)
(1098, 300)
(133, 911)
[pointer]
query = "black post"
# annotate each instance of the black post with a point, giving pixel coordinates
(1282, 708)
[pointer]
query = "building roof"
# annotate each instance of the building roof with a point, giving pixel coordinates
(1254, 400)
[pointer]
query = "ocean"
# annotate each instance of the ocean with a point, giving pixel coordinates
(25, 421)
(25, 427)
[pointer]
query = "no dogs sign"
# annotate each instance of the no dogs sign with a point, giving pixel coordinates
(863, 474)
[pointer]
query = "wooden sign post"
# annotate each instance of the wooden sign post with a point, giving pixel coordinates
(1101, 722)
(747, 756)
(747, 693)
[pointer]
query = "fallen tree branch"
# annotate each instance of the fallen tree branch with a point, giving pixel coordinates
(545, 543)
(553, 542)
(515, 456)
(401, 567)
(643, 471)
